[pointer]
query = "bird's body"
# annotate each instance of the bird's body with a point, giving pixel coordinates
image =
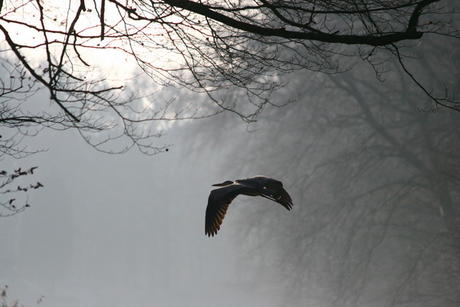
(220, 199)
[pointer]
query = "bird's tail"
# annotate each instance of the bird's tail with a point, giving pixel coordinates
(228, 182)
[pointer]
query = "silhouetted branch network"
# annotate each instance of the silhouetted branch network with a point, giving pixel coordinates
(260, 37)
(14, 197)
(233, 52)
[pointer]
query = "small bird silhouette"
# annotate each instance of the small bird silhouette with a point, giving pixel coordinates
(220, 199)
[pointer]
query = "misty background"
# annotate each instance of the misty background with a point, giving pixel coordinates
(120, 230)
(372, 169)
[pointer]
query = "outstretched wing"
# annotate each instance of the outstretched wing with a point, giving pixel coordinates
(273, 189)
(282, 197)
(218, 202)
(269, 188)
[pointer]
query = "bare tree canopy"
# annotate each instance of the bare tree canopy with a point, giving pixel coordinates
(377, 187)
(235, 53)
(17, 199)
(352, 22)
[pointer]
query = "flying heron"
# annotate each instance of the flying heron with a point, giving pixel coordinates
(220, 199)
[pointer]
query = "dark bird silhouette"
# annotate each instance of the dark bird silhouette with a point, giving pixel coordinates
(220, 199)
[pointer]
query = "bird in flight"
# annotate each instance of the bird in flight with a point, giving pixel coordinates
(220, 199)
